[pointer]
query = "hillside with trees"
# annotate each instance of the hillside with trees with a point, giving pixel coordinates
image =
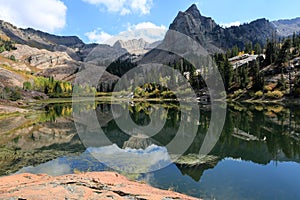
(255, 62)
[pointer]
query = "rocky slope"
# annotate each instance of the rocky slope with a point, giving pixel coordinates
(287, 27)
(215, 38)
(38, 58)
(135, 46)
(63, 56)
(97, 185)
(41, 40)
(71, 45)
(10, 78)
(38, 38)
(201, 29)
(257, 31)
(58, 64)
(190, 26)
(191, 23)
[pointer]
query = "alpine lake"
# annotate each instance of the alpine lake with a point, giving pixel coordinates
(256, 155)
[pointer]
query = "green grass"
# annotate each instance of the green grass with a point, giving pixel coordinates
(8, 115)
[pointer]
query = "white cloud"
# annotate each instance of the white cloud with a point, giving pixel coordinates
(226, 25)
(124, 7)
(98, 36)
(143, 6)
(146, 30)
(125, 11)
(111, 5)
(146, 25)
(46, 15)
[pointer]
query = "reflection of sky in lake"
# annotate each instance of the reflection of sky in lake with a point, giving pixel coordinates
(125, 160)
(132, 160)
(229, 179)
(246, 180)
(66, 165)
(244, 169)
(234, 179)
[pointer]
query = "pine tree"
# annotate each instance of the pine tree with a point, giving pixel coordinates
(235, 51)
(294, 40)
(225, 69)
(257, 85)
(281, 82)
(244, 76)
(228, 74)
(271, 52)
(285, 54)
(257, 49)
(248, 48)
(57, 88)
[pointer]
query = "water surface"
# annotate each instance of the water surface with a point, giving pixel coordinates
(256, 156)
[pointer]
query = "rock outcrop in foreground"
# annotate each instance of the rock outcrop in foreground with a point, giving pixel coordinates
(95, 185)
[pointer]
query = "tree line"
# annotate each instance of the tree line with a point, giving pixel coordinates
(56, 88)
(250, 76)
(6, 45)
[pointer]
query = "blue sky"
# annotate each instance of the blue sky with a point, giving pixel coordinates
(98, 20)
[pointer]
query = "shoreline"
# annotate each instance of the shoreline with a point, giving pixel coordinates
(91, 185)
(10, 108)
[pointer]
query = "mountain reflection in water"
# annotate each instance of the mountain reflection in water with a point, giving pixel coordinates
(257, 155)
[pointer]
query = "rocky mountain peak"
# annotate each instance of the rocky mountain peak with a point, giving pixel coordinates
(191, 22)
(261, 22)
(194, 11)
(196, 26)
(135, 46)
(136, 43)
(215, 38)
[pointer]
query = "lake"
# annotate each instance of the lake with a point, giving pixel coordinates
(255, 156)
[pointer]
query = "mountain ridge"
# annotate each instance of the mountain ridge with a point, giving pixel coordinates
(287, 26)
(214, 37)
(205, 28)
(30, 35)
(136, 46)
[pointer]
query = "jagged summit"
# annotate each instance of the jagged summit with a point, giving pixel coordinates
(212, 36)
(193, 10)
(191, 21)
(216, 38)
(196, 26)
(135, 46)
